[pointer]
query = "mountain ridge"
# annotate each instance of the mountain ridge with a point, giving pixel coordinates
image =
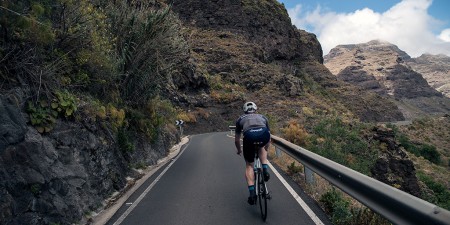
(385, 69)
(435, 69)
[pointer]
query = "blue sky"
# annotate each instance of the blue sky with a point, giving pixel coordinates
(415, 26)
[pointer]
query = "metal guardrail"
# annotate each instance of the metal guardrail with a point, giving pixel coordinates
(395, 205)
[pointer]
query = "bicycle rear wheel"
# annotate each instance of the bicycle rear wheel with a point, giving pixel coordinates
(262, 197)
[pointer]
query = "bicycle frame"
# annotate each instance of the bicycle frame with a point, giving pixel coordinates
(258, 174)
(257, 168)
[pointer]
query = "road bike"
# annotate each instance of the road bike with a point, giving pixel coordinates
(262, 192)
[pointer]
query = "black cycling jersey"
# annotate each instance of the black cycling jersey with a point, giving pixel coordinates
(249, 121)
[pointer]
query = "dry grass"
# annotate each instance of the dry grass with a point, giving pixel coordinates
(188, 117)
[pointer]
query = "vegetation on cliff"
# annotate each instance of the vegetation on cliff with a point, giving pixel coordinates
(111, 58)
(92, 78)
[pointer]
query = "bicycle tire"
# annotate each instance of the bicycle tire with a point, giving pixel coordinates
(262, 197)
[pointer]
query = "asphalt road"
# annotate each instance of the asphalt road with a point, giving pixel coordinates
(205, 184)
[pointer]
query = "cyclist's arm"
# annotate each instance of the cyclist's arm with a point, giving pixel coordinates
(237, 143)
(237, 137)
(268, 143)
(267, 123)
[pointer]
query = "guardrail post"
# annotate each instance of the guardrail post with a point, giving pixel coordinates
(309, 176)
(278, 152)
(232, 128)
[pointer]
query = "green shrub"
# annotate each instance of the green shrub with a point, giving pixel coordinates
(344, 144)
(28, 21)
(140, 122)
(341, 213)
(366, 216)
(429, 152)
(42, 117)
(337, 206)
(406, 143)
(439, 195)
(65, 103)
(124, 142)
(150, 48)
(149, 119)
(293, 169)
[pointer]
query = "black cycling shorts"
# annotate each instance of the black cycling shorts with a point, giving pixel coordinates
(260, 136)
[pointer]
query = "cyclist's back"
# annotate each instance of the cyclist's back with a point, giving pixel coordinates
(251, 121)
(255, 128)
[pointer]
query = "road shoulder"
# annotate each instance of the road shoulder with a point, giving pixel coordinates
(113, 204)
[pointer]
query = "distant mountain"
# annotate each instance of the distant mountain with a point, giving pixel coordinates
(383, 68)
(435, 69)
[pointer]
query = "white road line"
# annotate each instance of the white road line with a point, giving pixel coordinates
(139, 199)
(300, 201)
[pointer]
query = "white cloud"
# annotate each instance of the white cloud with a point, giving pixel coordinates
(407, 25)
(445, 35)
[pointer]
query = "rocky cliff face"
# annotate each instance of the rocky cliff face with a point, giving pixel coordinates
(435, 69)
(250, 51)
(65, 175)
(382, 68)
(264, 22)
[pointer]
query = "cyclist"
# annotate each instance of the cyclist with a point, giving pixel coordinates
(255, 128)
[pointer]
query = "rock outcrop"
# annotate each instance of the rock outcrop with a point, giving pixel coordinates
(393, 167)
(66, 174)
(264, 22)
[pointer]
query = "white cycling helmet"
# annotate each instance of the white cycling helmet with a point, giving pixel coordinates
(249, 107)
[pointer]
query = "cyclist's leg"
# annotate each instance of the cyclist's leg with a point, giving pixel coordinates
(249, 173)
(250, 176)
(249, 154)
(264, 161)
(263, 155)
(265, 138)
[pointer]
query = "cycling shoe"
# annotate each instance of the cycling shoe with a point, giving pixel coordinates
(266, 176)
(252, 200)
